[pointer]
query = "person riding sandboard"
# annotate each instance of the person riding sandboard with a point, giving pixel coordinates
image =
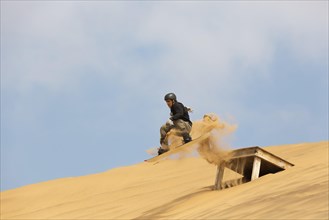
(179, 120)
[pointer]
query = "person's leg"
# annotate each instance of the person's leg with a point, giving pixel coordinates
(186, 137)
(163, 134)
(184, 129)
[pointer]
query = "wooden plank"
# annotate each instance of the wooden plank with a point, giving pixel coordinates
(275, 160)
(243, 152)
(219, 176)
(265, 155)
(252, 163)
(256, 168)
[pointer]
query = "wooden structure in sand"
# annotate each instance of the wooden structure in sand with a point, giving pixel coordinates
(251, 163)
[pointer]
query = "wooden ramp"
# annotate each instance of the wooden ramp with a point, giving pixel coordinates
(251, 163)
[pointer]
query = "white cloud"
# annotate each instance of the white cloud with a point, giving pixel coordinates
(215, 43)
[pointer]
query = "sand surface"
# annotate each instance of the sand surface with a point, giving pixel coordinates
(181, 189)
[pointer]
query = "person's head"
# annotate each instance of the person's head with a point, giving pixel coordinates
(170, 99)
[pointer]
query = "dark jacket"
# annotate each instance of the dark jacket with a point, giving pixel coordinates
(179, 111)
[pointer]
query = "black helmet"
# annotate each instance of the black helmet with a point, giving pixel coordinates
(170, 96)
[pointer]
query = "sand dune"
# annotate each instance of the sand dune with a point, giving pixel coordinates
(181, 189)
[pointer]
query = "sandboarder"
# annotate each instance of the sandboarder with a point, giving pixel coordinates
(179, 120)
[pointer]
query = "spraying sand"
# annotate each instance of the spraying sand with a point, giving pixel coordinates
(214, 149)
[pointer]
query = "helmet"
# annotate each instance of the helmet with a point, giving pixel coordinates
(170, 96)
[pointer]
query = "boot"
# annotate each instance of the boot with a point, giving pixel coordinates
(186, 138)
(161, 151)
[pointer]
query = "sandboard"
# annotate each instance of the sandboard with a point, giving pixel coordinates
(179, 148)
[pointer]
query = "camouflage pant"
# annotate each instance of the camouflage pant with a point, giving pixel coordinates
(181, 127)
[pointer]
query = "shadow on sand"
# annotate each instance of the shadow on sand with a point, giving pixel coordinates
(159, 212)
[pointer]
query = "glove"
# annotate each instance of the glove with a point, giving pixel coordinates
(189, 109)
(170, 122)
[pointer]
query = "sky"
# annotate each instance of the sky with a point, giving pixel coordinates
(82, 82)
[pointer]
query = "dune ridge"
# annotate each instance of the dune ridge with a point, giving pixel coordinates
(181, 189)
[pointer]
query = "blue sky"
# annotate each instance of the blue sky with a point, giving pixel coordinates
(82, 82)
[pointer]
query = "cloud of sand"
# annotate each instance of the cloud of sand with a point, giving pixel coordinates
(214, 149)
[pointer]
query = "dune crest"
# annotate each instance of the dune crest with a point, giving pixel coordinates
(181, 189)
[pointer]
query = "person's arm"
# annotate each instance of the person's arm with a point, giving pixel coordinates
(179, 112)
